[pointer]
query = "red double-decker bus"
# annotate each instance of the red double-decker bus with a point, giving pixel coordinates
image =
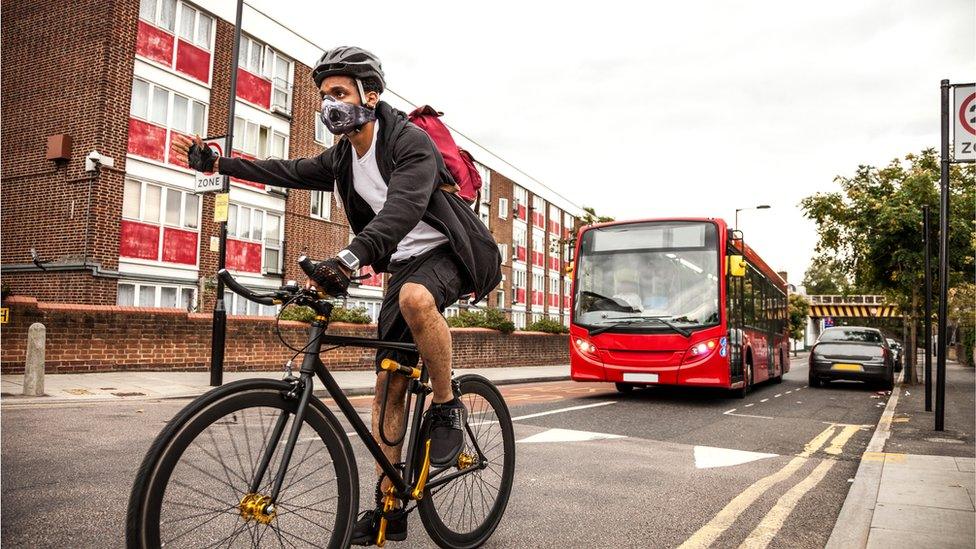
(675, 302)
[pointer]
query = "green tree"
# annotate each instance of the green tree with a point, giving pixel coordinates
(872, 228)
(799, 311)
(827, 276)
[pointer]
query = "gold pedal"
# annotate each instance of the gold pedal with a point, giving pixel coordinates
(389, 502)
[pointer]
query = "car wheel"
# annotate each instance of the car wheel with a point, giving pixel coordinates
(889, 383)
(624, 387)
(744, 390)
(815, 381)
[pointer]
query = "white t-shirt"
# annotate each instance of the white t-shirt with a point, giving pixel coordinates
(369, 184)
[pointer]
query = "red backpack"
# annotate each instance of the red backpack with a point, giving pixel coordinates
(459, 161)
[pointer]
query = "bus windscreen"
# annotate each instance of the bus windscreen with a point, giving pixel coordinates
(667, 270)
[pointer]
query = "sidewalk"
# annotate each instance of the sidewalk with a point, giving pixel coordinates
(916, 487)
(120, 386)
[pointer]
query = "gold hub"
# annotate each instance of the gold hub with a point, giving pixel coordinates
(255, 507)
(465, 460)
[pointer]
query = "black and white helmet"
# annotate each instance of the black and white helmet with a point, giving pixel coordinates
(348, 61)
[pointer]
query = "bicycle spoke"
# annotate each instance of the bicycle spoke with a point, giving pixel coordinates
(227, 470)
(194, 527)
(205, 513)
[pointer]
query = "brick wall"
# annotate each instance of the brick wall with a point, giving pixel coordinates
(77, 83)
(102, 338)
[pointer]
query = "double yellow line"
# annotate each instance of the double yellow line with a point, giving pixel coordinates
(770, 525)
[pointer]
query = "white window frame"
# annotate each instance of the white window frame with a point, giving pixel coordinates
(518, 318)
(503, 208)
(324, 200)
(286, 85)
(500, 293)
(484, 214)
(163, 196)
(157, 294)
(207, 42)
(171, 95)
(503, 251)
(485, 173)
(157, 11)
(322, 134)
(273, 244)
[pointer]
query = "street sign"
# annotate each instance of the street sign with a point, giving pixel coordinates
(221, 205)
(828, 322)
(965, 124)
(211, 182)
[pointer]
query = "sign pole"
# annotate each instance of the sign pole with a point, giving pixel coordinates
(943, 264)
(927, 326)
(219, 332)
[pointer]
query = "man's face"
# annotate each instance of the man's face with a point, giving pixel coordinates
(343, 88)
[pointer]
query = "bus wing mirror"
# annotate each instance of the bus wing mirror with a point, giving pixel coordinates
(736, 266)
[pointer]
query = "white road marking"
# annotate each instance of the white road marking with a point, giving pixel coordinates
(567, 435)
(561, 410)
(750, 404)
(732, 413)
(707, 457)
(777, 396)
(788, 392)
(764, 400)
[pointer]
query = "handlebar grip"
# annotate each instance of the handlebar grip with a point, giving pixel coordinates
(240, 290)
(306, 264)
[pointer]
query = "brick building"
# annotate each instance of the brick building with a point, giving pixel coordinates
(124, 83)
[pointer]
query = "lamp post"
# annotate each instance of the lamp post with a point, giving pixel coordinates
(737, 210)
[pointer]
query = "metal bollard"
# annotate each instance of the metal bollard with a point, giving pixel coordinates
(34, 368)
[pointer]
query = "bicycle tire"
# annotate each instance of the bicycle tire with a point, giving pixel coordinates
(164, 457)
(446, 533)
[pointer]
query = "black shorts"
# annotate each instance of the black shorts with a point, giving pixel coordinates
(439, 272)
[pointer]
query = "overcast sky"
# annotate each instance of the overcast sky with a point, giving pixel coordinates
(673, 109)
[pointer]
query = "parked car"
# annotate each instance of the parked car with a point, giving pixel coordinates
(852, 352)
(897, 350)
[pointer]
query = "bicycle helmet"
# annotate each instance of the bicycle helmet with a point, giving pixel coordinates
(348, 61)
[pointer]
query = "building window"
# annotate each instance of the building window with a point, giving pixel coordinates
(518, 318)
(538, 211)
(321, 205)
(281, 82)
(485, 214)
(503, 208)
(195, 27)
(147, 203)
(500, 293)
(521, 203)
(161, 13)
(151, 102)
(272, 244)
(518, 286)
(259, 141)
(322, 134)
(136, 294)
(538, 249)
(238, 305)
(519, 241)
(503, 250)
(485, 174)
(538, 289)
(251, 55)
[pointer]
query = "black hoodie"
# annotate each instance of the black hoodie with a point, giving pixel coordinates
(413, 169)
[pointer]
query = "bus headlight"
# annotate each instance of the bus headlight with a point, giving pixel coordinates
(585, 346)
(703, 348)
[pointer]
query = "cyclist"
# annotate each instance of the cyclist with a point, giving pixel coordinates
(397, 195)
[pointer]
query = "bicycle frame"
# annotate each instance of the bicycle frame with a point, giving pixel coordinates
(312, 366)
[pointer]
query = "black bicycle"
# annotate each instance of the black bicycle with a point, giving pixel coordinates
(264, 463)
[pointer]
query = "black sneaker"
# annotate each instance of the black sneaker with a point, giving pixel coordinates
(368, 525)
(446, 431)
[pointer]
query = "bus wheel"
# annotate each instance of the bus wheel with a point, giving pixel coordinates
(744, 390)
(624, 387)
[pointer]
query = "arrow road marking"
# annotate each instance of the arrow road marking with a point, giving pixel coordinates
(707, 457)
(567, 435)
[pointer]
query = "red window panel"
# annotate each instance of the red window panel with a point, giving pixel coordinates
(243, 256)
(147, 140)
(193, 61)
(566, 234)
(253, 89)
(537, 298)
(520, 253)
(554, 227)
(520, 295)
(538, 219)
(522, 212)
(553, 263)
(375, 279)
(236, 154)
(537, 258)
(180, 246)
(138, 240)
(154, 43)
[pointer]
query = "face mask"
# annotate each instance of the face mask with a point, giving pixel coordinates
(343, 118)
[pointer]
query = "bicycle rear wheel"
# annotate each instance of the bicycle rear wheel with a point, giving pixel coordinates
(465, 511)
(193, 489)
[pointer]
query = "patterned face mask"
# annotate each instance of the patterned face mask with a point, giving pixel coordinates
(344, 118)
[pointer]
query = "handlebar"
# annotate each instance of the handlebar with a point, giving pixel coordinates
(237, 288)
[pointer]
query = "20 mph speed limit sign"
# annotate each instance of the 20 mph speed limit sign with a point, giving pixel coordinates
(964, 122)
(203, 182)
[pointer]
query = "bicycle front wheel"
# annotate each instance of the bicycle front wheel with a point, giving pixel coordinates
(464, 512)
(194, 488)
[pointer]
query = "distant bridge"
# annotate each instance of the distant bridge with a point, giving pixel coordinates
(851, 306)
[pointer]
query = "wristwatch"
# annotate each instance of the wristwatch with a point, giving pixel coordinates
(348, 259)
